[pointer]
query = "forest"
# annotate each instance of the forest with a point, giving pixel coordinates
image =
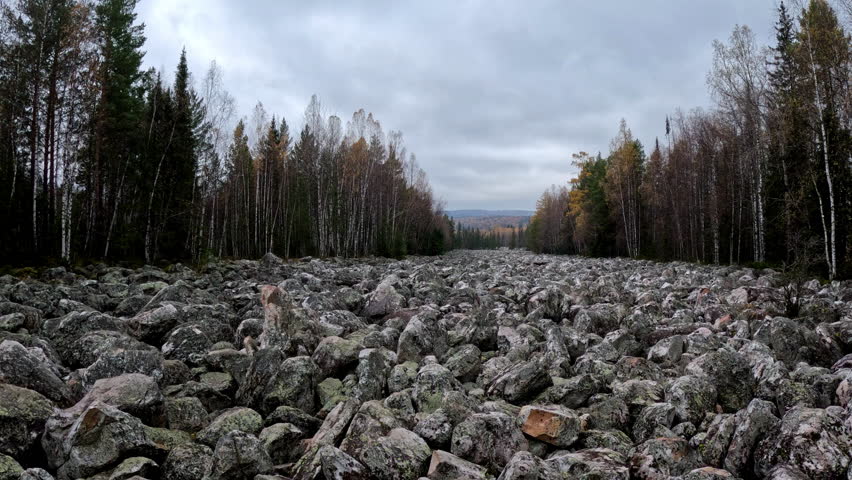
(101, 159)
(762, 177)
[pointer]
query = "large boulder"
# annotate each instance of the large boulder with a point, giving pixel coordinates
(63, 332)
(185, 413)
(151, 326)
(281, 441)
(239, 456)
(133, 393)
(400, 455)
(590, 464)
(335, 355)
(432, 382)
(23, 414)
(325, 461)
(692, 396)
(98, 439)
(422, 336)
(792, 342)
(9, 468)
(488, 439)
(813, 440)
(526, 466)
(731, 375)
(372, 420)
(446, 466)
(753, 424)
(272, 381)
(572, 392)
(237, 418)
(465, 362)
(551, 302)
(552, 424)
(383, 300)
(115, 363)
(374, 365)
(19, 366)
(87, 349)
(188, 462)
(520, 381)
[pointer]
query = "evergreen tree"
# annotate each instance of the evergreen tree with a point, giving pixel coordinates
(116, 142)
(181, 164)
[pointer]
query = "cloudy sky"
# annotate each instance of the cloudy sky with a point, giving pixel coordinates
(493, 97)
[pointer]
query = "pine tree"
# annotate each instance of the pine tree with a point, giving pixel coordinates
(180, 185)
(118, 118)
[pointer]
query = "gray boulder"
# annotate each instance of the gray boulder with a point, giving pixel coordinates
(239, 456)
(400, 455)
(234, 419)
(18, 366)
(488, 439)
(813, 440)
(188, 462)
(23, 414)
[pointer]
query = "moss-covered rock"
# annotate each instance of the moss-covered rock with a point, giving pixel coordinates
(23, 414)
(237, 418)
(401, 455)
(9, 468)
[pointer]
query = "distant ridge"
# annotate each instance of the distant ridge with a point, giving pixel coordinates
(488, 213)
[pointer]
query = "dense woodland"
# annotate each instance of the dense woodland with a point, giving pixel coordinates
(472, 238)
(100, 159)
(764, 177)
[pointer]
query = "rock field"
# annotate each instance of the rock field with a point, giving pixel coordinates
(474, 365)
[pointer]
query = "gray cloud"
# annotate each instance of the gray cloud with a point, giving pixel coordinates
(493, 97)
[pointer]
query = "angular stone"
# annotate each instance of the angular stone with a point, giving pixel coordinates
(552, 424)
(115, 363)
(372, 421)
(432, 382)
(133, 393)
(590, 464)
(812, 440)
(651, 418)
(400, 455)
(100, 437)
(436, 428)
(9, 468)
(488, 439)
(281, 441)
(422, 336)
(238, 418)
(446, 466)
(19, 367)
(383, 300)
(188, 462)
(572, 392)
(692, 397)
(526, 466)
(239, 456)
(753, 423)
(23, 414)
(334, 355)
(186, 413)
(520, 382)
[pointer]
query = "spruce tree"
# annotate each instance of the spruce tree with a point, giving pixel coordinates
(118, 117)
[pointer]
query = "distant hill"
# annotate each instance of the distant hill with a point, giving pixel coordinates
(488, 213)
(491, 219)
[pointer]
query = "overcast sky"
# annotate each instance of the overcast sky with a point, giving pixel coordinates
(493, 97)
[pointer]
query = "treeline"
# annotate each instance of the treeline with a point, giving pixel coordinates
(763, 177)
(470, 238)
(100, 159)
